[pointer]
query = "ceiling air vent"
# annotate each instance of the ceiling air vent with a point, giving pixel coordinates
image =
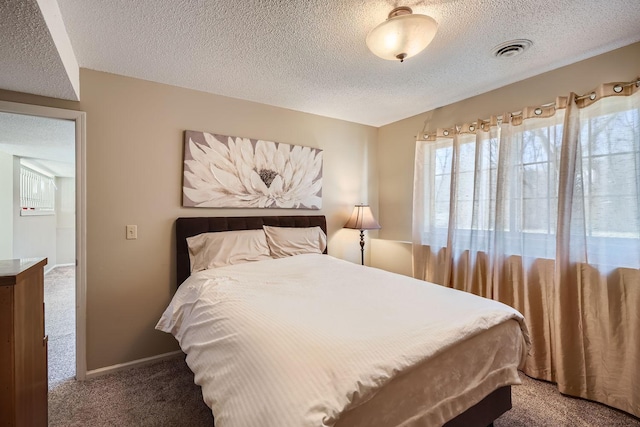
(511, 48)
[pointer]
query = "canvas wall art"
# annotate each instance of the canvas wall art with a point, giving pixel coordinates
(233, 172)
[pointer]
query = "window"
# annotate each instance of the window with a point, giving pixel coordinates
(37, 193)
(610, 161)
(507, 181)
(610, 174)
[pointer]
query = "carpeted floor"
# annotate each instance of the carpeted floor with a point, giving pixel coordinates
(163, 394)
(60, 323)
(539, 404)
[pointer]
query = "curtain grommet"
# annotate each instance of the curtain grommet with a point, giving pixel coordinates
(537, 111)
(445, 133)
(472, 128)
(592, 96)
(617, 88)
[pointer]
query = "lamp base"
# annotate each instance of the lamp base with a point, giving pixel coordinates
(362, 246)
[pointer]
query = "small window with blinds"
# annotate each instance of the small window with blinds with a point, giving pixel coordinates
(37, 193)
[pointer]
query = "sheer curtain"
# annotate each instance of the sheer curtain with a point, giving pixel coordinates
(541, 210)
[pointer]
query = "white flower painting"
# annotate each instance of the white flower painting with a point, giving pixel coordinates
(233, 172)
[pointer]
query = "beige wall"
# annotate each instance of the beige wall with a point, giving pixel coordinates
(391, 255)
(396, 141)
(134, 176)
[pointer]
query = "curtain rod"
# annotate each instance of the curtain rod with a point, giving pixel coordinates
(619, 87)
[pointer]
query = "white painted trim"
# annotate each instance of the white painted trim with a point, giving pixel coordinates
(80, 118)
(81, 247)
(36, 213)
(134, 363)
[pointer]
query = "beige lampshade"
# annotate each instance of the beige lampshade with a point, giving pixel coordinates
(362, 219)
(403, 35)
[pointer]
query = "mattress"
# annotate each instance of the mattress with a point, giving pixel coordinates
(311, 340)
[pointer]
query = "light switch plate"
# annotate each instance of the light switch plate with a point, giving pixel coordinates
(132, 232)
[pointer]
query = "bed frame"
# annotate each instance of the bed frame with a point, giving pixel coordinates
(480, 415)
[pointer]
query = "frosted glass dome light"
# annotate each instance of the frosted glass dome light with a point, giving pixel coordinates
(402, 35)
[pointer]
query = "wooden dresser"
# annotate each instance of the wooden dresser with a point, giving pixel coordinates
(23, 345)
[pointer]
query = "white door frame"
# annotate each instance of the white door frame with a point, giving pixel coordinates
(80, 119)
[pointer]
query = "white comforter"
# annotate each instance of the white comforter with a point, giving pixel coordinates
(296, 341)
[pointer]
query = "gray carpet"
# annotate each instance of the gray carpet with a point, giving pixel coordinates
(539, 404)
(60, 323)
(163, 394)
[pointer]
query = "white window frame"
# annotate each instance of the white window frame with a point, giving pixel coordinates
(37, 193)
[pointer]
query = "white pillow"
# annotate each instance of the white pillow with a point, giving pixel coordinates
(211, 250)
(287, 241)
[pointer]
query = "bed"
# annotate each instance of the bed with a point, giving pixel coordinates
(463, 383)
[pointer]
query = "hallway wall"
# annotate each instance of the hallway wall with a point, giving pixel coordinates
(6, 206)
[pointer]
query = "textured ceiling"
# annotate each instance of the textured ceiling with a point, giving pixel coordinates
(30, 61)
(51, 141)
(310, 55)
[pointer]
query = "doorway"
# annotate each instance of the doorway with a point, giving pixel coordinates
(65, 277)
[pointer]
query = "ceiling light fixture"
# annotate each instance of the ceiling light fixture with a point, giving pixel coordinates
(403, 35)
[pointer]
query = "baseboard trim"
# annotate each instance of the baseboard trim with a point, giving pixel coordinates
(134, 363)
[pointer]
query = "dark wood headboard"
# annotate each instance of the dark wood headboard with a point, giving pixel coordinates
(187, 227)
